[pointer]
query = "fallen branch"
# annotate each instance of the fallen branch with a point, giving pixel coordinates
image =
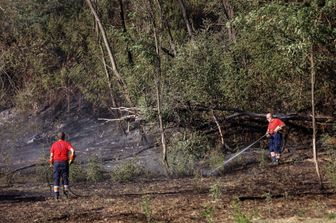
(293, 116)
(127, 117)
(9, 175)
(274, 196)
(125, 109)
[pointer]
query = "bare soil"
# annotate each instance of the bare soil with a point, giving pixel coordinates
(288, 192)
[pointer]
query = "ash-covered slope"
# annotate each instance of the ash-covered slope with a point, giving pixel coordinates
(26, 139)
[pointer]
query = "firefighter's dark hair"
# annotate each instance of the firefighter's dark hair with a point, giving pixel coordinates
(60, 135)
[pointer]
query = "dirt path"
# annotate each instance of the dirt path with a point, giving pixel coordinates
(284, 193)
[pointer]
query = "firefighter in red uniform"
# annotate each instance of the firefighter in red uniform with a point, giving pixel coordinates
(275, 137)
(62, 154)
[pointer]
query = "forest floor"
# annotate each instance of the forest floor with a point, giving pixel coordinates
(288, 192)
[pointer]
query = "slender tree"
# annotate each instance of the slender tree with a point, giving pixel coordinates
(158, 73)
(124, 29)
(167, 27)
(186, 18)
(313, 74)
(229, 14)
(110, 54)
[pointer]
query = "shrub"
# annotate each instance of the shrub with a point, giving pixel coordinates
(216, 158)
(145, 205)
(126, 172)
(185, 151)
(215, 191)
(329, 143)
(94, 169)
(238, 215)
(208, 213)
(77, 173)
(43, 174)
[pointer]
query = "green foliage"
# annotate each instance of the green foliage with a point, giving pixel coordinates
(184, 151)
(51, 53)
(77, 173)
(216, 158)
(126, 171)
(332, 216)
(329, 143)
(194, 76)
(145, 206)
(215, 191)
(238, 215)
(208, 213)
(145, 109)
(94, 169)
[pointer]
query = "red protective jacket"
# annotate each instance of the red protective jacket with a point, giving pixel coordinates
(60, 150)
(272, 125)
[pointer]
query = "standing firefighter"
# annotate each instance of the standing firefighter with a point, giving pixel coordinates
(275, 137)
(62, 155)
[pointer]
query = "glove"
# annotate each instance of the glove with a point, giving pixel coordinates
(51, 162)
(71, 158)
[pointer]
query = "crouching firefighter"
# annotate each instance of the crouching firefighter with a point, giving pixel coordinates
(62, 154)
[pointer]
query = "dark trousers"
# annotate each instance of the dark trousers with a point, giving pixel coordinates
(275, 143)
(61, 169)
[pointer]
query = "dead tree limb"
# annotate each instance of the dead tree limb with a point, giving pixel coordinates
(218, 126)
(125, 109)
(126, 117)
(293, 116)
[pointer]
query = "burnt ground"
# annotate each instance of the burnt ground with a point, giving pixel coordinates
(288, 192)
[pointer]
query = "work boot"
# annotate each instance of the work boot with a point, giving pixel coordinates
(275, 161)
(66, 193)
(66, 190)
(56, 196)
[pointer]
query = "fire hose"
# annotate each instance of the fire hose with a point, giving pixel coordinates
(237, 154)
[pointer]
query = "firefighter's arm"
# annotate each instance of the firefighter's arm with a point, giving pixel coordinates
(279, 127)
(72, 156)
(51, 159)
(267, 133)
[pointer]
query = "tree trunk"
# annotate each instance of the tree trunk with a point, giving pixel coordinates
(186, 18)
(110, 55)
(229, 14)
(123, 22)
(108, 78)
(167, 27)
(313, 74)
(157, 40)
